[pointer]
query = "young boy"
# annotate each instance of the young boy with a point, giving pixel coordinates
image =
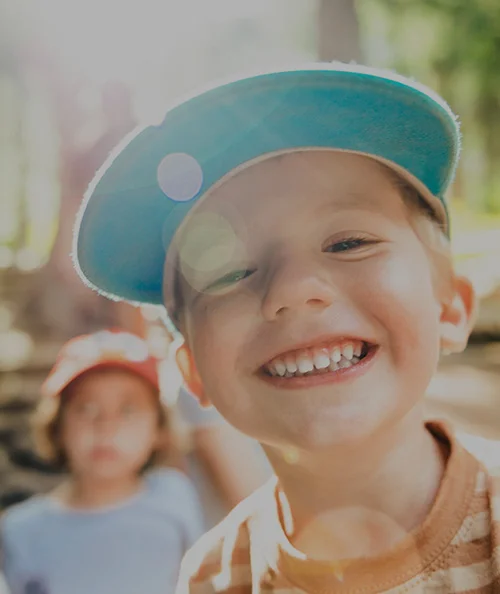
(294, 225)
(109, 527)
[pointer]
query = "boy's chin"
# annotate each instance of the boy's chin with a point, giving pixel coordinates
(336, 430)
(337, 437)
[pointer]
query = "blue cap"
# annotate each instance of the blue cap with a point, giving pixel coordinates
(151, 182)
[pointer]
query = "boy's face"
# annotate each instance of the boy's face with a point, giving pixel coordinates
(308, 257)
(109, 424)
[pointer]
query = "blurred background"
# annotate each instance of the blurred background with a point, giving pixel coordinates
(76, 76)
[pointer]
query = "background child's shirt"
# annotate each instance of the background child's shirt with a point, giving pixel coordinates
(135, 547)
(456, 550)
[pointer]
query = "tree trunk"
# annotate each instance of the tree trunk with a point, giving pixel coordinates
(61, 305)
(338, 31)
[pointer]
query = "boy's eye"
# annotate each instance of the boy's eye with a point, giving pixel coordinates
(229, 279)
(349, 244)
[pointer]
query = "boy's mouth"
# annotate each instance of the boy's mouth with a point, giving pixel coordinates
(319, 360)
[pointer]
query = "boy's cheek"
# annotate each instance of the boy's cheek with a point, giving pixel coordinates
(212, 329)
(216, 350)
(408, 285)
(402, 303)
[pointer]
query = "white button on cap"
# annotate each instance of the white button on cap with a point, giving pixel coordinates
(180, 176)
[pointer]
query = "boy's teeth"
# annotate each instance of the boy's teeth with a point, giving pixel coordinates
(321, 360)
(305, 364)
(348, 351)
(317, 359)
(333, 366)
(280, 368)
(344, 363)
(335, 354)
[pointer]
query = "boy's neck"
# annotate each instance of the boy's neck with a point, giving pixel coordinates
(363, 499)
(89, 493)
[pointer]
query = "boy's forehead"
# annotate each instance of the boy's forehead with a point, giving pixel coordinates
(340, 180)
(319, 167)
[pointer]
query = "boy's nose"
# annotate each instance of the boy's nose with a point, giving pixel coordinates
(296, 285)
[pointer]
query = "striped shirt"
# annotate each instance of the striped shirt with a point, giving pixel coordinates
(456, 550)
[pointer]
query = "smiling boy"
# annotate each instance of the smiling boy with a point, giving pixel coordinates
(294, 225)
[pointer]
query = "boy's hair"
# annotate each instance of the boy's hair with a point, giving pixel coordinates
(47, 421)
(430, 231)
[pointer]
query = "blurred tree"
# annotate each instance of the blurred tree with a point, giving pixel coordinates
(338, 31)
(64, 304)
(45, 167)
(461, 46)
(29, 195)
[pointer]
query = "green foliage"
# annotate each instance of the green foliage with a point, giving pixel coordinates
(454, 45)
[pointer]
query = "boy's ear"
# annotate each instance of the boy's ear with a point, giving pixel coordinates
(187, 366)
(458, 316)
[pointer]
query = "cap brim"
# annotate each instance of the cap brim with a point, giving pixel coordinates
(128, 221)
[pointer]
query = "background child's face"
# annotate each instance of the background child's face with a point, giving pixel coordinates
(309, 250)
(109, 425)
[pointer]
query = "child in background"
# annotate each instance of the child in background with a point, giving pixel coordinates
(119, 524)
(294, 224)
